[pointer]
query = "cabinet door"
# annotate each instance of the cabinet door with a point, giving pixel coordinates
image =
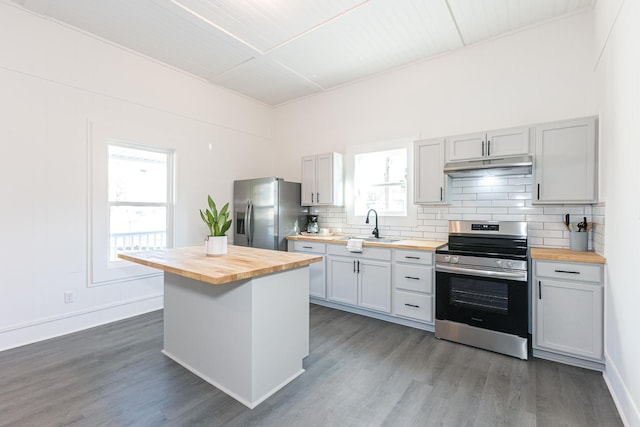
(508, 142)
(324, 179)
(569, 318)
(342, 284)
(375, 285)
(465, 147)
(317, 280)
(565, 165)
(429, 178)
(308, 184)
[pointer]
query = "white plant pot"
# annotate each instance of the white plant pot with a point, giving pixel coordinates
(215, 245)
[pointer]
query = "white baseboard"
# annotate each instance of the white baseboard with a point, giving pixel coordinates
(55, 326)
(627, 408)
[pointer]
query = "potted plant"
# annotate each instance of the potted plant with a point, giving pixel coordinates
(218, 223)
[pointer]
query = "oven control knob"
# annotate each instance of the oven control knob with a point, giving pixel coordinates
(447, 258)
(455, 260)
(509, 264)
(499, 262)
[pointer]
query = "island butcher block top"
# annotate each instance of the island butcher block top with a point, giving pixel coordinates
(239, 263)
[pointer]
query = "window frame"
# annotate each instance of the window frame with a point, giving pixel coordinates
(169, 194)
(353, 220)
(100, 270)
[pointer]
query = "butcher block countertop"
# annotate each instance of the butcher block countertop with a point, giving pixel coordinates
(239, 263)
(416, 244)
(553, 254)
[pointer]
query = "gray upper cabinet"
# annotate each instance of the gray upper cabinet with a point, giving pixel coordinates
(485, 145)
(566, 162)
(430, 181)
(322, 180)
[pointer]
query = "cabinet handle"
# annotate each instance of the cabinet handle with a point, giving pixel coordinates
(538, 191)
(411, 305)
(567, 271)
(539, 290)
(354, 266)
(412, 257)
(483, 148)
(358, 267)
(411, 277)
(317, 197)
(307, 247)
(312, 197)
(441, 194)
(488, 147)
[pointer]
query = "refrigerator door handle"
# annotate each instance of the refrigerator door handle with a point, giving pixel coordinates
(247, 221)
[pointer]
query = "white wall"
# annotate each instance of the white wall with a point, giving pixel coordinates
(53, 82)
(618, 72)
(544, 73)
(537, 75)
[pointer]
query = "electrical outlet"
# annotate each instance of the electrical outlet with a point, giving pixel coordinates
(68, 297)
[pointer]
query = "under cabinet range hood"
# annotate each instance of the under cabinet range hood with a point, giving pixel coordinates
(519, 165)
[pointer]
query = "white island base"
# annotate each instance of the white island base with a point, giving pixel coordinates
(247, 337)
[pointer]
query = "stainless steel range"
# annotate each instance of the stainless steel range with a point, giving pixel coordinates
(482, 287)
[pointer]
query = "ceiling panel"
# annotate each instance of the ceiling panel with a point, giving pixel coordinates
(266, 24)
(155, 28)
(381, 36)
(278, 50)
(482, 19)
(266, 81)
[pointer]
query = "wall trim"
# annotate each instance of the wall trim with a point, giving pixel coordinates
(42, 329)
(620, 393)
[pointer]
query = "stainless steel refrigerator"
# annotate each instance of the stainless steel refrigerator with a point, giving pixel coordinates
(266, 211)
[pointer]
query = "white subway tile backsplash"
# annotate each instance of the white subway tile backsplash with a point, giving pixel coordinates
(508, 218)
(493, 196)
(476, 203)
(497, 199)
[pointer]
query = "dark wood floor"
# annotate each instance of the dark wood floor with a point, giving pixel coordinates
(361, 372)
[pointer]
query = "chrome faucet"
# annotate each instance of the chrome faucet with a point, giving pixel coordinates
(375, 232)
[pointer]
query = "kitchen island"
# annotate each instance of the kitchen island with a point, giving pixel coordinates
(239, 321)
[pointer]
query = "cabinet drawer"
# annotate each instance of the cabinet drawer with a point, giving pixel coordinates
(416, 306)
(569, 271)
(304, 246)
(414, 257)
(369, 252)
(413, 278)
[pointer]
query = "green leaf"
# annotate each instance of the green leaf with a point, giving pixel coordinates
(225, 227)
(218, 222)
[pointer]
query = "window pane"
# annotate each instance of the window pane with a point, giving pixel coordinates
(380, 182)
(137, 175)
(135, 228)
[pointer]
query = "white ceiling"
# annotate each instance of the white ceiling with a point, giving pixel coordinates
(279, 50)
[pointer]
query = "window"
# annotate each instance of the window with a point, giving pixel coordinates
(380, 182)
(139, 196)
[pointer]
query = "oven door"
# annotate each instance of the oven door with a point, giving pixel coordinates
(495, 303)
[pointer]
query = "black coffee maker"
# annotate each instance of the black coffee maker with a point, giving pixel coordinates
(312, 224)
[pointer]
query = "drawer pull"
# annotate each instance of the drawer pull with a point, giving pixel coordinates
(411, 305)
(412, 257)
(567, 271)
(307, 247)
(411, 277)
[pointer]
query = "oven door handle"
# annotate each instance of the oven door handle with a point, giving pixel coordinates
(520, 276)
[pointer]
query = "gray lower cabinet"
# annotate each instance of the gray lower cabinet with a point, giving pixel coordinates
(360, 279)
(317, 281)
(396, 285)
(568, 311)
(413, 278)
